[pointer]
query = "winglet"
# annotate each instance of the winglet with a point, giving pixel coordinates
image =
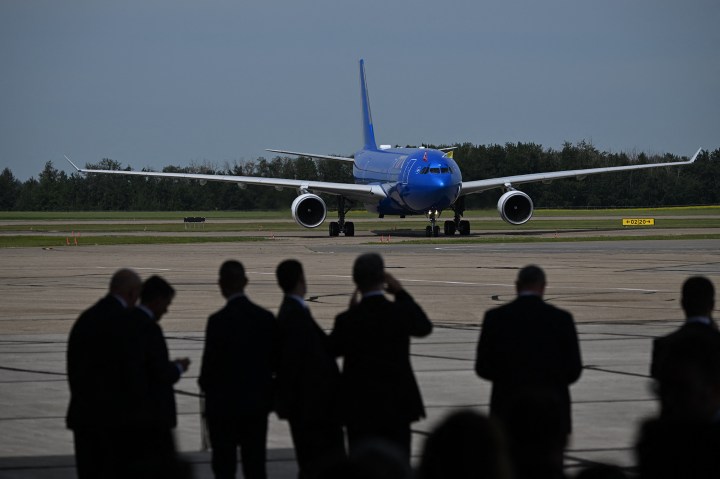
(697, 153)
(74, 165)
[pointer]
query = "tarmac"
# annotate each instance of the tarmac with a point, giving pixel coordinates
(621, 293)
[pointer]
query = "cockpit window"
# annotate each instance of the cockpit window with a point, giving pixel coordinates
(444, 170)
(434, 170)
(424, 171)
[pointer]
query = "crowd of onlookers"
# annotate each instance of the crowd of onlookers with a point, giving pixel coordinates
(354, 421)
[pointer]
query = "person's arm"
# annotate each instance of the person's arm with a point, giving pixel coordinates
(485, 353)
(418, 322)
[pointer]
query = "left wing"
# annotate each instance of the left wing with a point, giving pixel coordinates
(312, 155)
(477, 186)
(349, 190)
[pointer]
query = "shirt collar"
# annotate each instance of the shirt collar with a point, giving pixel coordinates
(146, 310)
(235, 296)
(369, 294)
(122, 302)
(699, 319)
(299, 299)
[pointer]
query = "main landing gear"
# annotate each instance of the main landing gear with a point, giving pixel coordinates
(342, 226)
(456, 224)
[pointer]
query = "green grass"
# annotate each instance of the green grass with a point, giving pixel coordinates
(50, 229)
(61, 242)
(526, 239)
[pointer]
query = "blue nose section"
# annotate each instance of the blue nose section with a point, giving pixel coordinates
(433, 192)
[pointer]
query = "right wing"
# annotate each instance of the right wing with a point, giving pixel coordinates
(478, 186)
(348, 190)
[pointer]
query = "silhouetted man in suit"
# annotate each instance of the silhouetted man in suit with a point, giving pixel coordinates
(157, 456)
(529, 350)
(308, 379)
(104, 385)
(381, 395)
(683, 441)
(236, 376)
(684, 362)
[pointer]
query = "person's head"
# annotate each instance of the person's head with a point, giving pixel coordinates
(369, 272)
(156, 295)
(698, 296)
(232, 278)
(465, 444)
(531, 279)
(126, 284)
(290, 277)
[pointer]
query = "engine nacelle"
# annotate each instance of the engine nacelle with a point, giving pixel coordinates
(308, 210)
(515, 207)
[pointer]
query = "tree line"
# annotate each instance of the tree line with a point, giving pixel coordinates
(54, 190)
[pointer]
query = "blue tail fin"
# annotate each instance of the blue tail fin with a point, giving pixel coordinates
(368, 131)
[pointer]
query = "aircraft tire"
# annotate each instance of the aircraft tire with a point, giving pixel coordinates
(449, 228)
(428, 231)
(349, 228)
(334, 228)
(464, 227)
(436, 231)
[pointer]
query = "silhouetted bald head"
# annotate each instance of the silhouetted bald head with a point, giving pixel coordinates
(232, 278)
(369, 272)
(126, 284)
(531, 278)
(289, 274)
(698, 296)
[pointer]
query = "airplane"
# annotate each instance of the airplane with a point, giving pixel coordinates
(398, 181)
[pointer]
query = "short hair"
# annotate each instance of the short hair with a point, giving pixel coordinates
(232, 274)
(530, 275)
(124, 280)
(698, 296)
(368, 271)
(156, 287)
(289, 273)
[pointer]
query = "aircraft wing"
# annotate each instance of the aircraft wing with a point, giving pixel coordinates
(470, 187)
(312, 155)
(349, 190)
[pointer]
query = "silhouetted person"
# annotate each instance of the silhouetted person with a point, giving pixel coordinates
(157, 457)
(236, 376)
(685, 439)
(307, 380)
(529, 349)
(698, 301)
(105, 389)
(465, 445)
(381, 395)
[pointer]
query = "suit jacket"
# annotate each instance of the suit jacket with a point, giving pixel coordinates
(237, 364)
(104, 386)
(528, 346)
(308, 378)
(158, 372)
(374, 339)
(667, 345)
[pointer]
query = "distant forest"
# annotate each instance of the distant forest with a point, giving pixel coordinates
(696, 184)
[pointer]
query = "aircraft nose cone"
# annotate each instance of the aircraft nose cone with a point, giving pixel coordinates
(438, 193)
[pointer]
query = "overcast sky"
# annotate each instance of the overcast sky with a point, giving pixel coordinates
(174, 82)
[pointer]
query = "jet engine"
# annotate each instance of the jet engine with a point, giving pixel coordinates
(515, 207)
(308, 210)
